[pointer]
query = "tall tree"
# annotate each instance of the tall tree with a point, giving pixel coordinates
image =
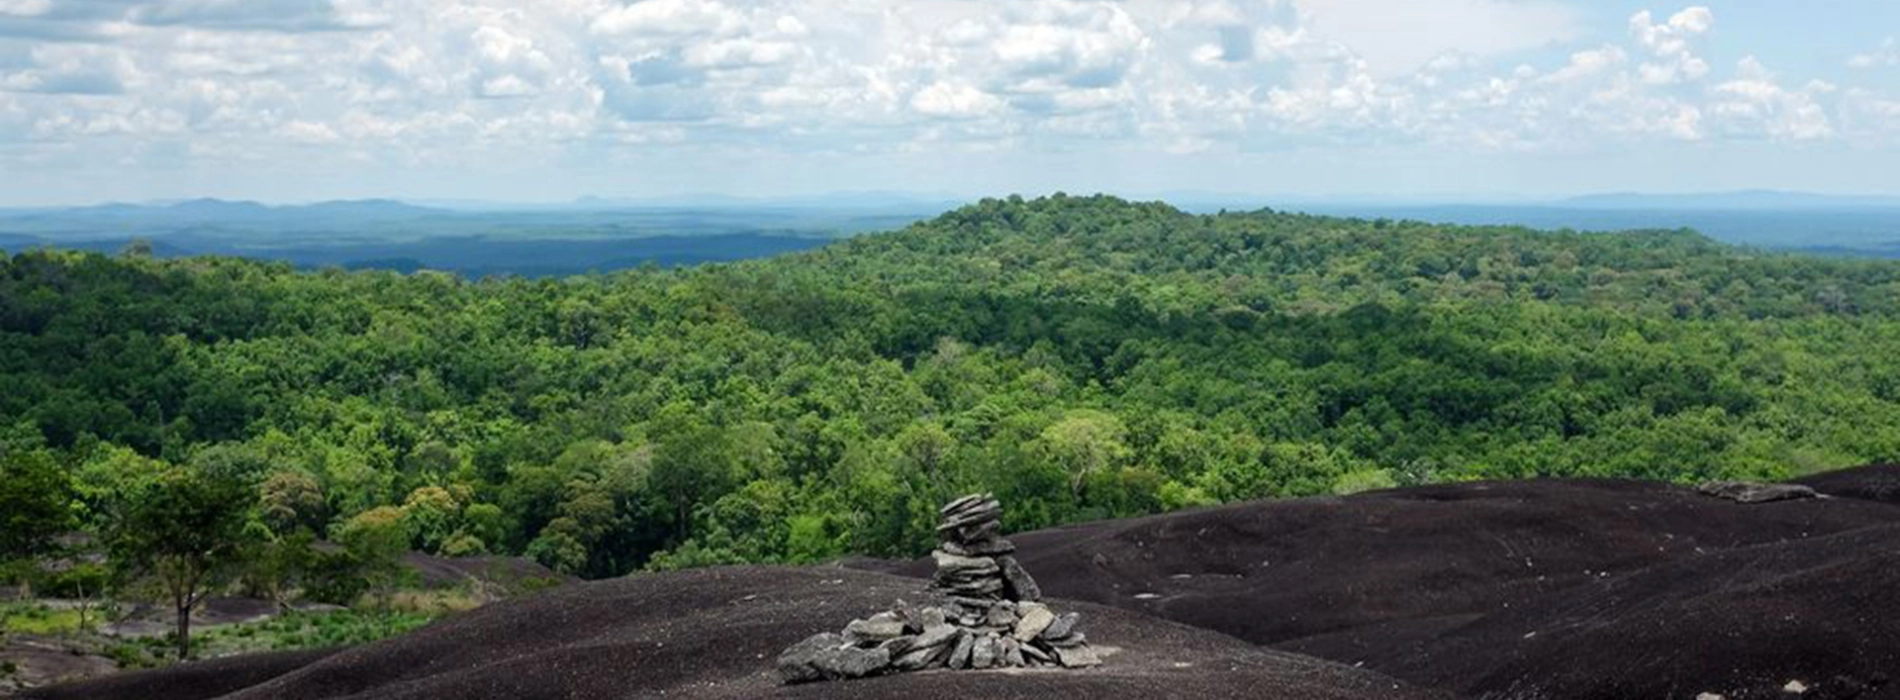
(184, 534)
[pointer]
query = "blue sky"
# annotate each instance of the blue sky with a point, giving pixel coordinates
(299, 100)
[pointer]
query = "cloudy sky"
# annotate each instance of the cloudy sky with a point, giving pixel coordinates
(535, 100)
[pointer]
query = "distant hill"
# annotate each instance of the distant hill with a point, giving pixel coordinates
(1748, 199)
(598, 235)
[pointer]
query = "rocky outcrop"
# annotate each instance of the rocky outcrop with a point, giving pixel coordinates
(987, 613)
(1746, 492)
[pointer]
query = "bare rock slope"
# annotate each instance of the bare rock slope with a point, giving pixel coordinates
(1531, 589)
(714, 634)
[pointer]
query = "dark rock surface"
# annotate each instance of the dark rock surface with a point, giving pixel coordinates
(1561, 589)
(1880, 483)
(1743, 623)
(1353, 578)
(716, 633)
(1378, 578)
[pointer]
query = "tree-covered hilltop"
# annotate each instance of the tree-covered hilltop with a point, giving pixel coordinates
(1081, 357)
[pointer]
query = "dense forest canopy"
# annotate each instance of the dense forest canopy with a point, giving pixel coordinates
(1082, 357)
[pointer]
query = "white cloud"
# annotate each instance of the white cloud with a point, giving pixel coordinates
(1754, 103)
(1397, 37)
(1887, 55)
(25, 8)
(670, 18)
(1669, 44)
(450, 82)
(1588, 64)
(944, 99)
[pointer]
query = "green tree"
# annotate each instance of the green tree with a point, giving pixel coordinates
(375, 541)
(185, 534)
(35, 503)
(1083, 443)
(289, 501)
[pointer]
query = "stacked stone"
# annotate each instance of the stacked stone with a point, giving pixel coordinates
(990, 616)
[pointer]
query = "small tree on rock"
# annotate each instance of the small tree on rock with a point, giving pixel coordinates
(183, 534)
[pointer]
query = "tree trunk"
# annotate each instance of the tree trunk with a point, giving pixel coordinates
(184, 631)
(85, 602)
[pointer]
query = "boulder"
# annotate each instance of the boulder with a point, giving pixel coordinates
(1076, 657)
(1035, 618)
(829, 656)
(960, 651)
(983, 651)
(1012, 653)
(1064, 624)
(918, 659)
(935, 637)
(1017, 583)
(877, 628)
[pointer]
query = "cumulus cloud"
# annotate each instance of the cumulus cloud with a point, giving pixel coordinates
(450, 81)
(1669, 44)
(1755, 103)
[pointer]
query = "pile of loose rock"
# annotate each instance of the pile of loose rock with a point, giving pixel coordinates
(988, 615)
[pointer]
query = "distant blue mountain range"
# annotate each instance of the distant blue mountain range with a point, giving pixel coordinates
(606, 233)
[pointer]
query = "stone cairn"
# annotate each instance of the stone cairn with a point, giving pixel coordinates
(989, 615)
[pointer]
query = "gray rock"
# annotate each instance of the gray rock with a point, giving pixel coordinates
(1036, 654)
(1064, 624)
(989, 548)
(960, 651)
(976, 605)
(1074, 639)
(976, 509)
(829, 657)
(983, 651)
(878, 628)
(930, 617)
(1012, 656)
(1018, 584)
(1035, 618)
(963, 503)
(1002, 614)
(1751, 493)
(935, 637)
(1077, 656)
(894, 648)
(975, 533)
(919, 659)
(795, 664)
(950, 564)
(968, 528)
(983, 587)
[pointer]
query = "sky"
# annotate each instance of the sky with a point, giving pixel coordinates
(548, 100)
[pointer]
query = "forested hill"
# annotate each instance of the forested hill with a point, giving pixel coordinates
(1082, 357)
